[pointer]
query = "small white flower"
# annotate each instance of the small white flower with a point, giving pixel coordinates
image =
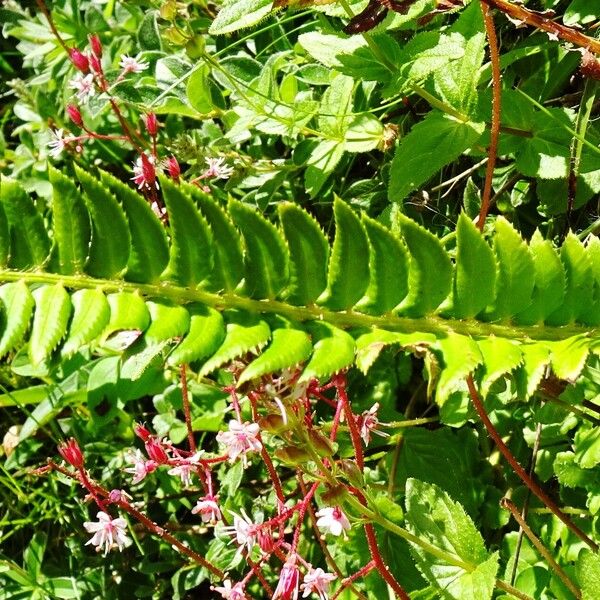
(185, 468)
(240, 439)
(83, 86)
(131, 64)
(141, 467)
(317, 581)
(217, 169)
(244, 530)
(57, 143)
(108, 532)
(208, 509)
(333, 520)
(231, 593)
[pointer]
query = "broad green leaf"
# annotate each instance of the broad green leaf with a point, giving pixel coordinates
(30, 245)
(4, 239)
(148, 34)
(323, 160)
(229, 261)
(348, 273)
(205, 335)
(592, 315)
(460, 356)
(288, 348)
(579, 283)
(111, 241)
(33, 555)
(475, 272)
(309, 253)
(549, 288)
(571, 475)
(198, 90)
(333, 351)
(70, 223)
(245, 333)
(191, 258)
(430, 273)
(587, 447)
(580, 12)
(17, 306)
(516, 273)
(149, 254)
(266, 259)
(167, 321)
(388, 269)
(500, 357)
(469, 571)
(364, 133)
(129, 318)
(336, 107)
(434, 142)
(588, 573)
(52, 312)
(238, 14)
(91, 314)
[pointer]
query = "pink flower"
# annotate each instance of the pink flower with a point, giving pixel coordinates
(140, 430)
(368, 422)
(155, 451)
(129, 64)
(141, 467)
(83, 86)
(217, 169)
(244, 530)
(208, 509)
(80, 61)
(185, 468)
(144, 172)
(240, 439)
(265, 540)
(58, 142)
(287, 587)
(333, 520)
(71, 452)
(108, 532)
(317, 581)
(231, 593)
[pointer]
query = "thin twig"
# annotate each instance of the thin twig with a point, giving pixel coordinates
(186, 408)
(527, 480)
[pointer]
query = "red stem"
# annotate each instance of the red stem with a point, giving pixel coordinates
(186, 408)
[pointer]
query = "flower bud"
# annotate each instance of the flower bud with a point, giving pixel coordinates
(148, 171)
(590, 65)
(334, 495)
(141, 432)
(80, 61)
(173, 168)
(96, 64)
(96, 45)
(272, 423)
(71, 452)
(155, 451)
(292, 455)
(74, 115)
(152, 124)
(265, 540)
(323, 445)
(351, 471)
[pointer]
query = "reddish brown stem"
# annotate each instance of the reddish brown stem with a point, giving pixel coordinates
(362, 572)
(186, 408)
(540, 21)
(42, 6)
(340, 384)
(512, 461)
(490, 31)
(508, 504)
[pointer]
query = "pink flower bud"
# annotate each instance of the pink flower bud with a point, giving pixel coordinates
(71, 452)
(141, 432)
(287, 588)
(148, 171)
(80, 61)
(74, 115)
(265, 540)
(96, 64)
(173, 168)
(156, 452)
(152, 124)
(96, 45)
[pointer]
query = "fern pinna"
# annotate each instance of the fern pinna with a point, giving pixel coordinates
(223, 282)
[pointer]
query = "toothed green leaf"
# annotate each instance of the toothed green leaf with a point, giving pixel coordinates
(333, 351)
(17, 306)
(238, 14)
(568, 356)
(129, 318)
(500, 357)
(4, 238)
(167, 321)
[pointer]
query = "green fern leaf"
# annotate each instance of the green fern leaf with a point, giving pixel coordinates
(430, 275)
(592, 315)
(266, 260)
(17, 306)
(4, 238)
(167, 321)
(309, 253)
(111, 240)
(245, 333)
(191, 254)
(30, 245)
(536, 358)
(228, 258)
(289, 347)
(500, 357)
(568, 356)
(70, 224)
(149, 254)
(50, 320)
(206, 333)
(129, 317)
(91, 314)
(348, 274)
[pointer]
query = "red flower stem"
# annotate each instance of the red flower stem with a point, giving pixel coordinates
(362, 572)
(512, 461)
(123, 123)
(145, 521)
(490, 30)
(186, 408)
(303, 508)
(336, 420)
(340, 384)
(87, 484)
